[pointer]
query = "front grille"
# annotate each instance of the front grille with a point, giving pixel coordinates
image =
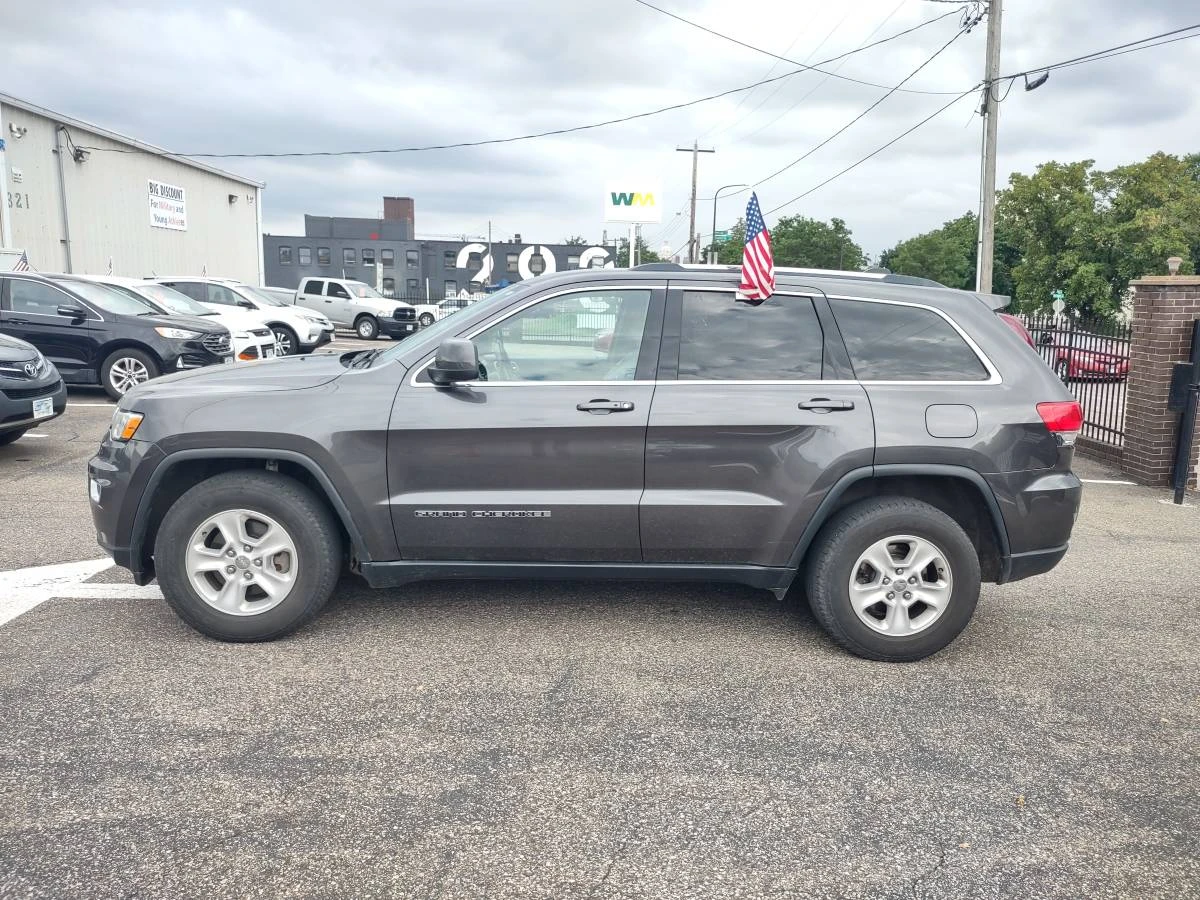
(216, 343)
(260, 332)
(30, 393)
(17, 369)
(404, 314)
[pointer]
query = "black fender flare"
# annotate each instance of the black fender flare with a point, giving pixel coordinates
(141, 518)
(829, 503)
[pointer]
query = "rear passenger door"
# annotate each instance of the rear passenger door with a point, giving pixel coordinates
(754, 418)
(311, 295)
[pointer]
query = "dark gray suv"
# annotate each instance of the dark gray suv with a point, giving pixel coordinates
(882, 446)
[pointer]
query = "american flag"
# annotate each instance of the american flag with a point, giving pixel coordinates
(22, 263)
(758, 265)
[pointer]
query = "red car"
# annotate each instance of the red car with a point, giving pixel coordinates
(1079, 354)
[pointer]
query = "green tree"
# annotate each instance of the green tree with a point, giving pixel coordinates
(946, 254)
(645, 254)
(802, 242)
(576, 240)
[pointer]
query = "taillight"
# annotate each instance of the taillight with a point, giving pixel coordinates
(1063, 418)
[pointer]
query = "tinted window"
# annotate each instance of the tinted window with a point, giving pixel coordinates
(903, 343)
(194, 289)
(305, 256)
(36, 298)
(312, 286)
(285, 256)
(578, 337)
(172, 300)
(336, 290)
(218, 293)
(722, 338)
(322, 256)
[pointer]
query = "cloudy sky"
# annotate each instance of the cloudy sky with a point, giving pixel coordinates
(257, 76)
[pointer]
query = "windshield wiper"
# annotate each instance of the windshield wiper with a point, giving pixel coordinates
(365, 358)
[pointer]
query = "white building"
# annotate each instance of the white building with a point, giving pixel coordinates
(77, 197)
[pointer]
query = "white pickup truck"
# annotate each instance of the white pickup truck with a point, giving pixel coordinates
(354, 304)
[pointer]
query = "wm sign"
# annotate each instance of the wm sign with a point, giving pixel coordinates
(633, 203)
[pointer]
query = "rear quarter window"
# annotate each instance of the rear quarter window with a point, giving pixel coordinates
(890, 342)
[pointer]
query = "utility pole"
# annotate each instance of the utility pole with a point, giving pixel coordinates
(987, 180)
(490, 257)
(693, 243)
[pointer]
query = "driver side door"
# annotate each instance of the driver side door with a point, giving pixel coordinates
(543, 457)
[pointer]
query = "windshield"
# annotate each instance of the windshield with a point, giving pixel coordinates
(261, 296)
(363, 290)
(447, 326)
(171, 300)
(109, 299)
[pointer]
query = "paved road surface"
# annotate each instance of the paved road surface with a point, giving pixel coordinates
(559, 740)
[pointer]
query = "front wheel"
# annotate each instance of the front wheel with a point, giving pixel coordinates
(286, 342)
(126, 369)
(893, 579)
(248, 556)
(426, 320)
(11, 437)
(367, 328)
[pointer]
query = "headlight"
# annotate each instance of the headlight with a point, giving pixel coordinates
(177, 334)
(124, 425)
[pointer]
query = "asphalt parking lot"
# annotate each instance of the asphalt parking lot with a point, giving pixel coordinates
(566, 740)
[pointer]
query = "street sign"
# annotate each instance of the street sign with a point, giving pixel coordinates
(1058, 306)
(722, 237)
(1058, 294)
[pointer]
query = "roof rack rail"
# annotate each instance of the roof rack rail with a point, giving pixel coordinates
(875, 274)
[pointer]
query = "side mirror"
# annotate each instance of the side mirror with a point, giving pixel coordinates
(245, 304)
(457, 360)
(78, 313)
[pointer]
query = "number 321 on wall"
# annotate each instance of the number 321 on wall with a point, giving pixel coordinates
(18, 200)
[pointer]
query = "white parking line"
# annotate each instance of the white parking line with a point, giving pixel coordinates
(24, 589)
(30, 434)
(1105, 481)
(75, 403)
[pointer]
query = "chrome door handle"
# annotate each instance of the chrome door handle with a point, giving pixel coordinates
(604, 407)
(825, 405)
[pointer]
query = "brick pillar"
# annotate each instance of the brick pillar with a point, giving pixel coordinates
(1164, 308)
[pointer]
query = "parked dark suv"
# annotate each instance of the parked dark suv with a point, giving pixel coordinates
(97, 335)
(882, 445)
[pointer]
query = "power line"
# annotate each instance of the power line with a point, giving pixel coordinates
(803, 67)
(1107, 54)
(874, 153)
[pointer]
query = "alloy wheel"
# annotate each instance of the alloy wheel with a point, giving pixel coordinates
(127, 373)
(283, 343)
(241, 562)
(901, 585)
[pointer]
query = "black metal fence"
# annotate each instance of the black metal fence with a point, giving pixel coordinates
(1091, 356)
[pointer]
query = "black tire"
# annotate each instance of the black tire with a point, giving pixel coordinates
(117, 356)
(286, 341)
(1063, 370)
(426, 320)
(848, 535)
(366, 327)
(306, 518)
(11, 437)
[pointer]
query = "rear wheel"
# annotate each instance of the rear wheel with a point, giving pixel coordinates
(1063, 370)
(124, 370)
(11, 437)
(286, 342)
(893, 579)
(248, 556)
(426, 320)
(367, 328)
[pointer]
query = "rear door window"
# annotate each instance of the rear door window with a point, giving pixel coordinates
(312, 286)
(894, 342)
(194, 289)
(723, 339)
